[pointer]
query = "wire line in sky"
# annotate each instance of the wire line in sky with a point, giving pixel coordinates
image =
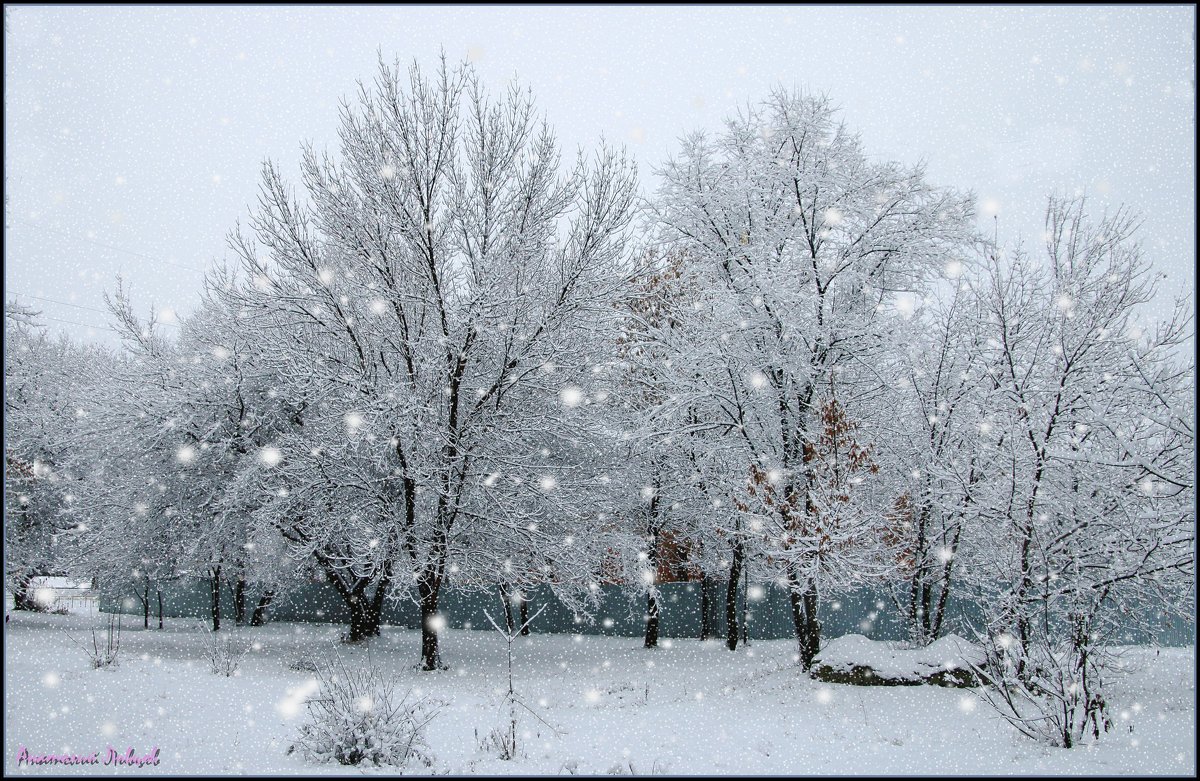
(66, 235)
(77, 306)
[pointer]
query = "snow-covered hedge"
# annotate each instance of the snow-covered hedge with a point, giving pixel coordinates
(358, 717)
(859, 660)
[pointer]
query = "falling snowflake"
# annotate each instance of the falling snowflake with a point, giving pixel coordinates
(570, 396)
(271, 456)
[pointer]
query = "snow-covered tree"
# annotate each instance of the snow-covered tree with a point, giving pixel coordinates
(1094, 516)
(935, 447)
(169, 434)
(803, 247)
(1088, 401)
(656, 477)
(47, 383)
(427, 303)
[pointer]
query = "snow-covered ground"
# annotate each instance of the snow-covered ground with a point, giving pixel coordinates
(686, 708)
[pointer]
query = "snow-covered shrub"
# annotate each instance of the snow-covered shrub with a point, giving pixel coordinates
(627, 768)
(501, 741)
(1050, 690)
(302, 662)
(224, 654)
(359, 717)
(104, 653)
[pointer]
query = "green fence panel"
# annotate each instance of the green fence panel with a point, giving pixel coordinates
(621, 612)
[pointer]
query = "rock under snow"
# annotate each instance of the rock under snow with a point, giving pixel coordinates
(859, 660)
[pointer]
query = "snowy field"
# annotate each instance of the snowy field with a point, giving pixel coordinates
(689, 708)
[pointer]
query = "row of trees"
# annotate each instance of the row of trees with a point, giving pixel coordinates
(455, 361)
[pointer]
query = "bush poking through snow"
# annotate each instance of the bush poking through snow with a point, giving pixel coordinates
(358, 717)
(627, 768)
(103, 653)
(502, 740)
(224, 654)
(302, 662)
(1050, 690)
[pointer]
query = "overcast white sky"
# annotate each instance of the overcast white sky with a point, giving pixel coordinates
(133, 135)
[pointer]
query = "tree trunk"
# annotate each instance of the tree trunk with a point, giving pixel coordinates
(811, 639)
(705, 605)
(746, 605)
(927, 611)
(216, 599)
(506, 599)
(381, 590)
(160, 621)
(365, 612)
(917, 616)
(944, 595)
(804, 617)
(929, 593)
(22, 599)
(651, 621)
(146, 604)
(651, 598)
(431, 657)
(1023, 588)
(259, 617)
(731, 590)
(239, 600)
(524, 613)
(364, 615)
